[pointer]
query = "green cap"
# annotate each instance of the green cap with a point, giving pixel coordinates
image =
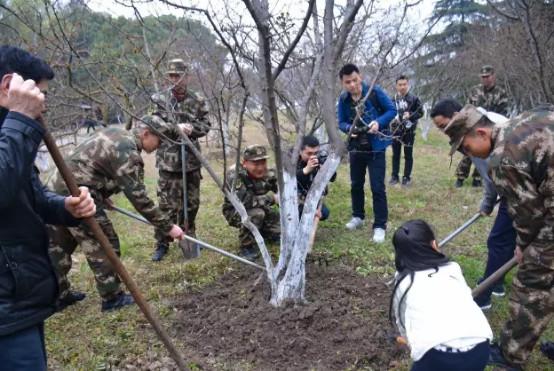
(255, 152)
(157, 125)
(486, 70)
(176, 66)
(461, 124)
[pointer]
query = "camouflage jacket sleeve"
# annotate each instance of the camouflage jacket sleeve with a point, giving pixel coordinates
(515, 181)
(130, 177)
(501, 102)
(201, 125)
(474, 95)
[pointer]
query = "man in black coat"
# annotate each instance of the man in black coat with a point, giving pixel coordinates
(409, 111)
(28, 285)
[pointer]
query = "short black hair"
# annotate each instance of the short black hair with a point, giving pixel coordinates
(348, 69)
(402, 77)
(446, 107)
(309, 141)
(30, 67)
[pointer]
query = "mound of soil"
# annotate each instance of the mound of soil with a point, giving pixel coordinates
(344, 326)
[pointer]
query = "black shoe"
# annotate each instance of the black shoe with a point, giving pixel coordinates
(122, 299)
(498, 290)
(161, 251)
(547, 348)
(249, 253)
(496, 358)
(70, 299)
(476, 183)
(483, 303)
(406, 182)
(393, 180)
(459, 183)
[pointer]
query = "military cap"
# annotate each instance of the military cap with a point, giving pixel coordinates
(461, 124)
(486, 70)
(255, 152)
(156, 125)
(176, 66)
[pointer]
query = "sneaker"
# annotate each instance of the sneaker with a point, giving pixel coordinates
(406, 181)
(459, 183)
(249, 253)
(484, 304)
(498, 290)
(122, 299)
(354, 223)
(476, 183)
(378, 235)
(71, 298)
(393, 180)
(161, 251)
(496, 358)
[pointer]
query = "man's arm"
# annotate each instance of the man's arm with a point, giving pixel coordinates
(525, 203)
(416, 110)
(201, 124)
(50, 205)
(130, 177)
(502, 104)
(20, 137)
(343, 114)
(387, 105)
(489, 195)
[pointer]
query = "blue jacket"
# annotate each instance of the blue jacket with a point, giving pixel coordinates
(346, 114)
(28, 285)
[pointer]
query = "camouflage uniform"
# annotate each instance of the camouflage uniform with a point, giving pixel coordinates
(107, 162)
(492, 100)
(193, 110)
(254, 194)
(521, 166)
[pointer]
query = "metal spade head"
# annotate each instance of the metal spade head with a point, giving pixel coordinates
(190, 250)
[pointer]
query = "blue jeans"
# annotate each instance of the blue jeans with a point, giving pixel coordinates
(501, 244)
(324, 212)
(375, 164)
(472, 360)
(23, 350)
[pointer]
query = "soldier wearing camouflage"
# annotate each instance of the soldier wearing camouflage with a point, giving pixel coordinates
(256, 198)
(521, 166)
(179, 105)
(492, 98)
(108, 162)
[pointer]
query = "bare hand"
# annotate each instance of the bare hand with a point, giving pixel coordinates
(373, 127)
(82, 206)
(176, 232)
(518, 254)
(406, 116)
(25, 97)
(318, 213)
(313, 163)
(484, 213)
(276, 198)
(186, 128)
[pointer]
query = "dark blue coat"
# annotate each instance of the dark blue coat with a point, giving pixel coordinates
(28, 285)
(383, 114)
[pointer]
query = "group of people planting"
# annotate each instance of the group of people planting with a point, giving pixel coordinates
(431, 303)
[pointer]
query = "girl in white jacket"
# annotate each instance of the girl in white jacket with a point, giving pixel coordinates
(433, 307)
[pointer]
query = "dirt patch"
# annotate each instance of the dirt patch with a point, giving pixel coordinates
(344, 326)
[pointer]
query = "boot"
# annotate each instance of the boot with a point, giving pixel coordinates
(122, 299)
(71, 298)
(161, 251)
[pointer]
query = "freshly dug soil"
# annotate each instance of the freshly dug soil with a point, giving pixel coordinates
(344, 325)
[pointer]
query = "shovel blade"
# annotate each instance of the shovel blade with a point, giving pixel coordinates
(190, 250)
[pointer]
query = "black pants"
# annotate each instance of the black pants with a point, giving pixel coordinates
(24, 350)
(472, 360)
(407, 140)
(375, 164)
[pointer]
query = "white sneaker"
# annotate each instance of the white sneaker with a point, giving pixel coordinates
(354, 223)
(378, 235)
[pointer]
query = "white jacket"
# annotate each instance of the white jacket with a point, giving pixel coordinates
(439, 310)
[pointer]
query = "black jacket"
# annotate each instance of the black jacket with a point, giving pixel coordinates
(304, 182)
(408, 103)
(28, 285)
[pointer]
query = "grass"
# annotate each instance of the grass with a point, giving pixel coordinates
(82, 338)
